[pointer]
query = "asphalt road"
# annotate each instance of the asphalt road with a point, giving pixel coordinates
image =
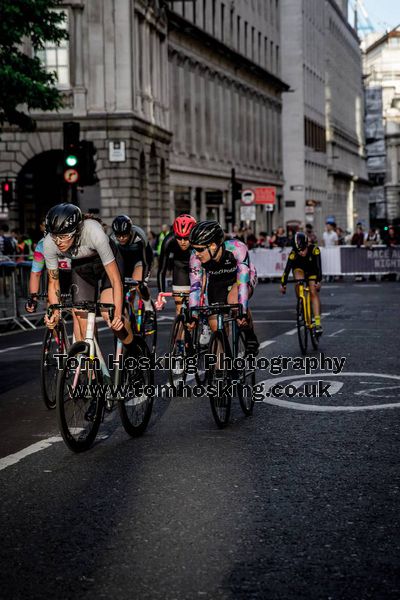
(301, 500)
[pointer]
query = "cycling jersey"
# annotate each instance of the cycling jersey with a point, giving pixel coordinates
(234, 266)
(90, 242)
(137, 252)
(38, 259)
(310, 264)
(90, 253)
(171, 252)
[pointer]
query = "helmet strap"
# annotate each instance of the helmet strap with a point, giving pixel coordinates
(212, 256)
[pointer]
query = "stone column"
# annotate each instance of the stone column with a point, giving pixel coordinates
(80, 108)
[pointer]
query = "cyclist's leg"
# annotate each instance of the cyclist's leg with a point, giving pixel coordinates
(252, 342)
(315, 300)
(83, 288)
(298, 274)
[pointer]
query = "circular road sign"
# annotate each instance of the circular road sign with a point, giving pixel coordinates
(71, 175)
(248, 197)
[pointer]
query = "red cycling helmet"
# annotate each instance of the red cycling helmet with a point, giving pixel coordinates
(183, 225)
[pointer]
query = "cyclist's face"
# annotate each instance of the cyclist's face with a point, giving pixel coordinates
(183, 242)
(303, 252)
(63, 242)
(205, 253)
(123, 238)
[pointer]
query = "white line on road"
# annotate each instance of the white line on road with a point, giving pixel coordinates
(266, 343)
(20, 347)
(336, 333)
(291, 332)
(13, 459)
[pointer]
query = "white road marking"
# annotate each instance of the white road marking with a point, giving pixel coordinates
(274, 321)
(336, 333)
(13, 459)
(266, 343)
(291, 332)
(20, 347)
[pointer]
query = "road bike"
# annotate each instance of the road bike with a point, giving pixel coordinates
(184, 343)
(137, 315)
(228, 341)
(86, 388)
(55, 341)
(305, 318)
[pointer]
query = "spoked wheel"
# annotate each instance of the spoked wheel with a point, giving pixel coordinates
(201, 349)
(178, 351)
(302, 330)
(220, 402)
(54, 343)
(135, 408)
(246, 379)
(79, 401)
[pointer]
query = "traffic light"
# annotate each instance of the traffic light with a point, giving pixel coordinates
(6, 192)
(71, 166)
(87, 172)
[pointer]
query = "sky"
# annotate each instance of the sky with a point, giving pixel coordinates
(384, 14)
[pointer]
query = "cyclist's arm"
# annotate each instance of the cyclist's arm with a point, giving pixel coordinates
(241, 254)
(37, 268)
(288, 268)
(196, 273)
(163, 263)
(317, 263)
(116, 284)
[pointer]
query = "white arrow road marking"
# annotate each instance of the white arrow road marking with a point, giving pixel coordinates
(336, 333)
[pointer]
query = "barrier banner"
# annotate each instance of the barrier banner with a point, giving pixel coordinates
(370, 261)
(271, 263)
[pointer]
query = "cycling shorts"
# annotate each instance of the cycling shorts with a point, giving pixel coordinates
(89, 276)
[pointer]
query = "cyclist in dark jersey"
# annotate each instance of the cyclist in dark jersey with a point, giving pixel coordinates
(223, 272)
(176, 249)
(305, 261)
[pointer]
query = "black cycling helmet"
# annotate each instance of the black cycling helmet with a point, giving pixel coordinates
(122, 225)
(300, 241)
(63, 218)
(206, 233)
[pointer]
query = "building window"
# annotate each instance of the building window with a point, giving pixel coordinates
(222, 20)
(56, 58)
(238, 34)
(213, 17)
(245, 37)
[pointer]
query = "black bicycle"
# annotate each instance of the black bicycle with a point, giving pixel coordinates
(219, 378)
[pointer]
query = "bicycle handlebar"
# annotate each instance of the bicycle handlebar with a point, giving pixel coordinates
(86, 306)
(217, 308)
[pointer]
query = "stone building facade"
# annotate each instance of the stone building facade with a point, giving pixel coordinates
(382, 79)
(323, 139)
(192, 91)
(113, 76)
(224, 70)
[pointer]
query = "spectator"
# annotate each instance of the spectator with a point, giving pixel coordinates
(272, 239)
(373, 238)
(312, 238)
(330, 236)
(152, 239)
(163, 233)
(358, 237)
(262, 239)
(392, 238)
(6, 243)
(251, 241)
(281, 239)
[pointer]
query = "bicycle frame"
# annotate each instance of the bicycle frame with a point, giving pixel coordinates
(304, 294)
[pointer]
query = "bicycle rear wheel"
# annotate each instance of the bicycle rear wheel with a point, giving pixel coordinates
(302, 330)
(246, 379)
(150, 332)
(79, 401)
(220, 401)
(54, 343)
(136, 407)
(178, 352)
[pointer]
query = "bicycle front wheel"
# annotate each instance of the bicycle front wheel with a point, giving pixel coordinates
(246, 379)
(302, 330)
(54, 343)
(177, 351)
(79, 401)
(218, 379)
(136, 406)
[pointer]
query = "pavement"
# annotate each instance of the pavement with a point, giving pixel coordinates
(300, 500)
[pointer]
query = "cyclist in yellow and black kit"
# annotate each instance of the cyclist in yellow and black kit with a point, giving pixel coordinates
(305, 261)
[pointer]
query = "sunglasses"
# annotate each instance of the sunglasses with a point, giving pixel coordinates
(200, 250)
(64, 237)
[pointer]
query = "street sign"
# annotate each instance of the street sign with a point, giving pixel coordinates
(116, 151)
(248, 197)
(71, 175)
(269, 207)
(265, 195)
(248, 213)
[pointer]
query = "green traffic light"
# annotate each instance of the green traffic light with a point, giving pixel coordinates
(71, 160)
